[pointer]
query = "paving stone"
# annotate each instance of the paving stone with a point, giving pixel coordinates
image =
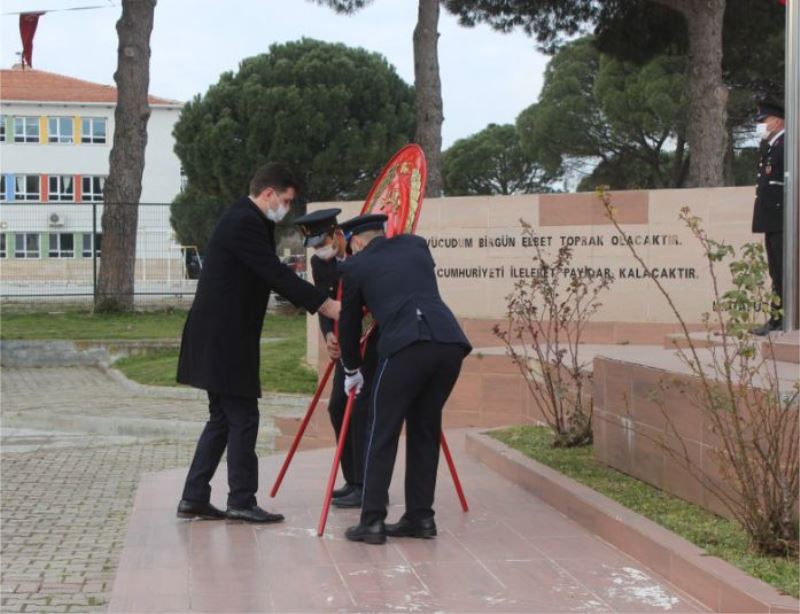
(66, 495)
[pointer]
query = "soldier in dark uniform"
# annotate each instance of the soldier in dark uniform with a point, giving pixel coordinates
(768, 208)
(221, 344)
(329, 240)
(420, 351)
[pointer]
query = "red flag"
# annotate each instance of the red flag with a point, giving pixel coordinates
(27, 28)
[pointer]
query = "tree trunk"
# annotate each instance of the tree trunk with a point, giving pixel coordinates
(428, 89)
(115, 284)
(706, 130)
(679, 169)
(730, 157)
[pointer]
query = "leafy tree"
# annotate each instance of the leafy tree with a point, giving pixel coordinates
(193, 215)
(115, 280)
(492, 162)
(622, 172)
(625, 115)
(333, 113)
(429, 109)
(744, 164)
(752, 59)
(706, 93)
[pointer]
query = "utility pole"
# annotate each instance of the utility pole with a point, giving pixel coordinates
(791, 225)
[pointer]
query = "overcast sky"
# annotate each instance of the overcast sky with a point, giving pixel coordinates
(486, 76)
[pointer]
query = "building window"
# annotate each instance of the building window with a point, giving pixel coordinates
(27, 187)
(2, 188)
(93, 130)
(59, 130)
(2, 128)
(62, 245)
(3, 248)
(27, 245)
(61, 188)
(26, 129)
(92, 189)
(87, 244)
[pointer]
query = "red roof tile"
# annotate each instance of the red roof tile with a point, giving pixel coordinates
(41, 86)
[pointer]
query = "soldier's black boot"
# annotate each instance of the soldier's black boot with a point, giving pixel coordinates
(374, 533)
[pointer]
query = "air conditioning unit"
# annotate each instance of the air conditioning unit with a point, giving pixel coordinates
(56, 221)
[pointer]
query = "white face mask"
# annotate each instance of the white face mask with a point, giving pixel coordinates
(276, 215)
(326, 253)
(762, 132)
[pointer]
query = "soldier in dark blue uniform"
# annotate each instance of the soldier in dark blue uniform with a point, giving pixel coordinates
(768, 207)
(322, 233)
(420, 351)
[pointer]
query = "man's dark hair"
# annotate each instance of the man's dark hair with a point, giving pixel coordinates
(273, 175)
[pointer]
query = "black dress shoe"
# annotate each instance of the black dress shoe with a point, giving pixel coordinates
(195, 509)
(424, 528)
(252, 514)
(344, 490)
(374, 533)
(351, 500)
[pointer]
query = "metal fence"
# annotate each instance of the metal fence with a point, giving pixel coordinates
(53, 251)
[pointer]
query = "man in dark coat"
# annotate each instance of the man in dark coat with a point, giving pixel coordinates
(768, 207)
(420, 349)
(220, 348)
(322, 232)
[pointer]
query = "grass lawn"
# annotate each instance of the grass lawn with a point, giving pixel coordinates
(715, 535)
(282, 366)
(79, 325)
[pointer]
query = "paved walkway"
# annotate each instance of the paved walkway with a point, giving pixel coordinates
(510, 553)
(94, 400)
(65, 513)
(75, 444)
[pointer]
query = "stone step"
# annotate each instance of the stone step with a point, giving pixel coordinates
(784, 347)
(639, 399)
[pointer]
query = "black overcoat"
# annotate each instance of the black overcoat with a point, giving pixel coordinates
(220, 348)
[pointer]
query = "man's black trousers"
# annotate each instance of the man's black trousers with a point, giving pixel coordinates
(233, 422)
(353, 453)
(412, 386)
(773, 244)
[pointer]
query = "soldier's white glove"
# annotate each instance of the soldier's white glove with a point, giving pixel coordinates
(353, 381)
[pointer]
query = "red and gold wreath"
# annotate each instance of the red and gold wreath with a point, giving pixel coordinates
(399, 189)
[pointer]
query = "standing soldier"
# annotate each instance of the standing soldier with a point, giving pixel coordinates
(329, 241)
(768, 208)
(420, 350)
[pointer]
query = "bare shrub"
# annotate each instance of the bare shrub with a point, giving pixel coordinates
(547, 315)
(750, 410)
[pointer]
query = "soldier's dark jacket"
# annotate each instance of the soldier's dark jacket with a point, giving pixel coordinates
(326, 278)
(768, 208)
(396, 280)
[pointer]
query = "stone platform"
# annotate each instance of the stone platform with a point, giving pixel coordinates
(510, 553)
